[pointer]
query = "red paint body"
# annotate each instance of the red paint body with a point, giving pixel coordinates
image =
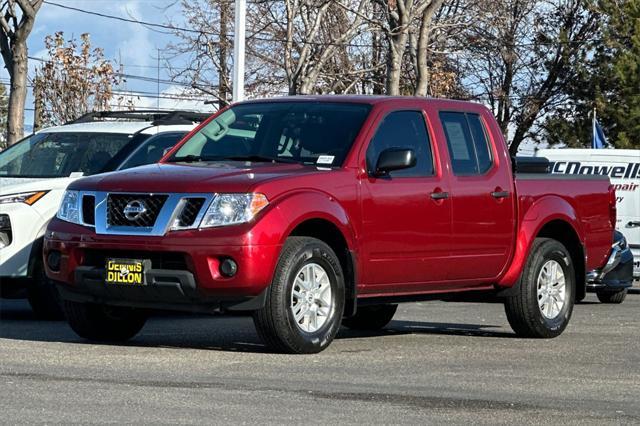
(404, 242)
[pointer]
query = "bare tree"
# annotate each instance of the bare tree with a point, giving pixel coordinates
(16, 22)
(306, 39)
(206, 53)
(398, 18)
(75, 80)
(519, 51)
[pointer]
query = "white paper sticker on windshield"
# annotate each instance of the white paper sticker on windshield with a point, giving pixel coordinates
(325, 159)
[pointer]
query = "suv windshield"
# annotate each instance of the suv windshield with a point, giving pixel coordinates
(51, 155)
(302, 132)
(152, 150)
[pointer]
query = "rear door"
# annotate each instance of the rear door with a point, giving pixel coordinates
(406, 231)
(482, 197)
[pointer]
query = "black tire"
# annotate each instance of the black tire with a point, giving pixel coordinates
(523, 312)
(371, 317)
(614, 298)
(43, 296)
(275, 322)
(104, 323)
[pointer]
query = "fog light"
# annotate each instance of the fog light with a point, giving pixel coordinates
(228, 268)
(53, 260)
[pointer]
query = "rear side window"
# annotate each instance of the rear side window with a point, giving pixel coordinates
(467, 143)
(403, 129)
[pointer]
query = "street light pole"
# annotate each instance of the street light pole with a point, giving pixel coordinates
(238, 50)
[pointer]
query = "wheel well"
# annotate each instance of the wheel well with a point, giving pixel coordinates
(331, 235)
(563, 232)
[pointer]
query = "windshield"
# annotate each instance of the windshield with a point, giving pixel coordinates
(51, 155)
(302, 132)
(152, 150)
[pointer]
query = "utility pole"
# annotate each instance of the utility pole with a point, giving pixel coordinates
(223, 76)
(238, 50)
(158, 98)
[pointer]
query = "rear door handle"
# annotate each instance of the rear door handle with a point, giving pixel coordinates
(633, 225)
(439, 195)
(500, 194)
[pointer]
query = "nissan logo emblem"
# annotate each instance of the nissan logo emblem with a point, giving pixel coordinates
(134, 209)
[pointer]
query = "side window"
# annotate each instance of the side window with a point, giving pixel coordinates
(403, 129)
(467, 143)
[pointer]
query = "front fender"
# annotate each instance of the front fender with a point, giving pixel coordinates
(300, 206)
(534, 216)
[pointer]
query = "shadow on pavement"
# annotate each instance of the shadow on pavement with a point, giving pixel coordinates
(221, 333)
(423, 327)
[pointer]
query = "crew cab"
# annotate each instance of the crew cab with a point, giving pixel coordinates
(312, 212)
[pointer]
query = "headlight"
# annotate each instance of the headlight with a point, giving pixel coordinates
(232, 209)
(70, 207)
(23, 197)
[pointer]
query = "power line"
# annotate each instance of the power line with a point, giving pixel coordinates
(276, 40)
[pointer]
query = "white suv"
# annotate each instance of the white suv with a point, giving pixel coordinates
(35, 172)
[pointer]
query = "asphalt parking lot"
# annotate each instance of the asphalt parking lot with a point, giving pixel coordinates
(436, 362)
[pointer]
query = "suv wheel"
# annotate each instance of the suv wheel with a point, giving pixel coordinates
(545, 294)
(305, 301)
(42, 295)
(612, 297)
(104, 323)
(371, 317)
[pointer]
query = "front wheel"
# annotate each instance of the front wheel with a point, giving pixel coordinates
(305, 301)
(612, 297)
(544, 298)
(104, 323)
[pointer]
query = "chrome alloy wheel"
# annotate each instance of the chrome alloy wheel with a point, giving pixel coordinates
(552, 289)
(311, 298)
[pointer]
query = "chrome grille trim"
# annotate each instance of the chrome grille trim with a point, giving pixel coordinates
(169, 212)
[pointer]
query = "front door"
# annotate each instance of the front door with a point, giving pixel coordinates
(406, 215)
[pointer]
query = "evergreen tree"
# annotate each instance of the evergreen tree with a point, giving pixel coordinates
(607, 80)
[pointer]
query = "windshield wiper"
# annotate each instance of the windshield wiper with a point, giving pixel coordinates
(259, 158)
(192, 159)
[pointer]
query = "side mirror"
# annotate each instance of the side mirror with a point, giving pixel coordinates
(394, 159)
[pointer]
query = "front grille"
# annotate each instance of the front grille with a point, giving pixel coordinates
(159, 260)
(190, 211)
(116, 204)
(89, 209)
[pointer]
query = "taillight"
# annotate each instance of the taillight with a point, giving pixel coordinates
(612, 205)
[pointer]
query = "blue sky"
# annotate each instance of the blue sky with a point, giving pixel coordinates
(136, 45)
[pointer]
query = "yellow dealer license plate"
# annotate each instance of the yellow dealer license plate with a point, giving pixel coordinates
(126, 271)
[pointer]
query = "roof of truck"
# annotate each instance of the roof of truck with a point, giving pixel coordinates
(364, 99)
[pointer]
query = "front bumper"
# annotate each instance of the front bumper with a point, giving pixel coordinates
(617, 274)
(26, 227)
(184, 273)
(163, 289)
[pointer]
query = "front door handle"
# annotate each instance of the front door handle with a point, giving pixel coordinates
(439, 195)
(633, 225)
(500, 194)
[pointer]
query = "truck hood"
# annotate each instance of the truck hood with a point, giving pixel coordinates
(11, 185)
(232, 176)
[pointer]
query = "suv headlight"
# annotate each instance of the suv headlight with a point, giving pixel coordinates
(69, 210)
(232, 209)
(28, 198)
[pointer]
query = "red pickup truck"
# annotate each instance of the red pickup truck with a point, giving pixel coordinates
(312, 212)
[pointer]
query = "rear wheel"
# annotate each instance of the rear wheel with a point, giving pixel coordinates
(104, 323)
(611, 297)
(371, 317)
(43, 295)
(545, 294)
(305, 301)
